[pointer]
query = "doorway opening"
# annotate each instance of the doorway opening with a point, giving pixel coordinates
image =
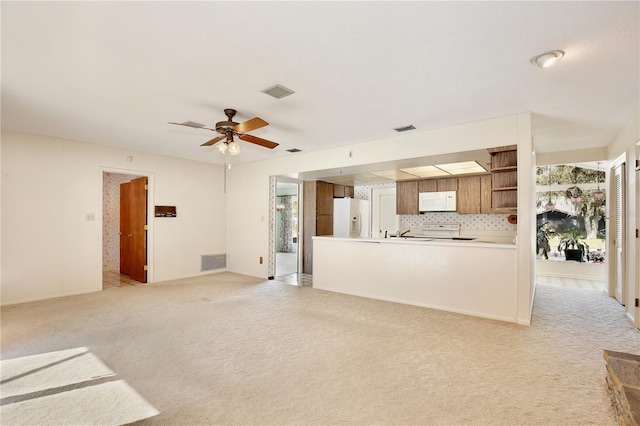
(124, 229)
(286, 232)
(571, 240)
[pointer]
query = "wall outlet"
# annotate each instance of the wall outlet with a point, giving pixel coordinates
(91, 217)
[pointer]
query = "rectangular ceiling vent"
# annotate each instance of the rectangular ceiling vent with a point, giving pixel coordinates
(278, 91)
(405, 128)
(294, 150)
(209, 262)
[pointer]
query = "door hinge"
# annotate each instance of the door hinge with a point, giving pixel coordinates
(146, 227)
(146, 187)
(637, 303)
(636, 232)
(146, 267)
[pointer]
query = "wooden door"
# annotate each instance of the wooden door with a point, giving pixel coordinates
(125, 228)
(138, 221)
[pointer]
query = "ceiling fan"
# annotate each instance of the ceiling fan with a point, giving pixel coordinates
(230, 128)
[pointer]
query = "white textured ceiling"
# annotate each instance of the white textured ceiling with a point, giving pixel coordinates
(114, 73)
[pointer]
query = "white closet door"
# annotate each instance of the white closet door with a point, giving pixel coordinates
(620, 240)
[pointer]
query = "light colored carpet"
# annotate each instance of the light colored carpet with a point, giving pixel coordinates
(229, 349)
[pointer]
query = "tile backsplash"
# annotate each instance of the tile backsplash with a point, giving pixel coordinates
(474, 222)
(468, 222)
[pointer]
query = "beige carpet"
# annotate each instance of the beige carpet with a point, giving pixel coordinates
(229, 349)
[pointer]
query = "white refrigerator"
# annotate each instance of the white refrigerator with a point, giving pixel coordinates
(350, 217)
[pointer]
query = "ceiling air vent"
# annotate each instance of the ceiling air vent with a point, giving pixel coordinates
(278, 91)
(405, 128)
(294, 150)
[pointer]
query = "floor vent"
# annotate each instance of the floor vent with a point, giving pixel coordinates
(213, 261)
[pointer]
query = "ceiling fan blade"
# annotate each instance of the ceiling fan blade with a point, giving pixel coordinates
(247, 126)
(258, 141)
(193, 125)
(213, 141)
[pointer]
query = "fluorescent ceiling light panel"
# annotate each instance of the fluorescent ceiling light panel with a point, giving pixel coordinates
(395, 175)
(367, 177)
(425, 171)
(462, 168)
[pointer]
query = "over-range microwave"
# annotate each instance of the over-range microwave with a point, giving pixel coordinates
(437, 201)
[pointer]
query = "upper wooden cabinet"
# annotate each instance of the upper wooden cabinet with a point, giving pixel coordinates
(324, 198)
(429, 185)
(448, 184)
(468, 196)
(341, 191)
(407, 197)
(504, 178)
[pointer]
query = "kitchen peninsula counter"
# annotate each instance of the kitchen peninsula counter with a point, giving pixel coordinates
(474, 277)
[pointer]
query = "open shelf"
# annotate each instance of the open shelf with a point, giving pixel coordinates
(504, 178)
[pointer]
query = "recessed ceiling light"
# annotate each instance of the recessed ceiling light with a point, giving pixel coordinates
(278, 91)
(545, 60)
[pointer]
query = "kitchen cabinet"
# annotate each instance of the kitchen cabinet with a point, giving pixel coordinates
(407, 197)
(342, 191)
(504, 178)
(485, 194)
(324, 224)
(468, 196)
(324, 198)
(449, 184)
(428, 185)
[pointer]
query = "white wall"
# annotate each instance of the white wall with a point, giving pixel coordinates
(49, 185)
(625, 143)
(248, 194)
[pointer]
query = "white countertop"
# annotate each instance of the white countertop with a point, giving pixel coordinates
(481, 241)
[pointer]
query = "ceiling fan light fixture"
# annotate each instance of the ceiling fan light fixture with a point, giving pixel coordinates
(222, 147)
(546, 59)
(234, 148)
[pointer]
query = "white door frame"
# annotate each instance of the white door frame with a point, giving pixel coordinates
(150, 215)
(273, 184)
(374, 195)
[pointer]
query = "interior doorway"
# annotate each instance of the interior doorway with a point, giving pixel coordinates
(125, 229)
(286, 229)
(384, 220)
